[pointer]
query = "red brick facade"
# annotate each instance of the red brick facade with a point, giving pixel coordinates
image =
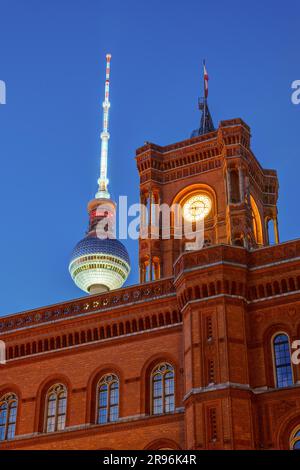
(211, 314)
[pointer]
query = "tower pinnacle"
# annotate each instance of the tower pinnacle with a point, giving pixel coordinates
(206, 123)
(103, 181)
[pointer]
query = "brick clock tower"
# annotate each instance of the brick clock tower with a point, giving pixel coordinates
(216, 171)
(198, 354)
(217, 168)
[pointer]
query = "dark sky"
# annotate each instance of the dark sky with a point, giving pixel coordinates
(53, 63)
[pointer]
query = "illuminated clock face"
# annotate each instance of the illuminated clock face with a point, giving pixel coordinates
(197, 207)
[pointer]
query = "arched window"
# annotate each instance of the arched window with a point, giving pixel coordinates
(295, 439)
(282, 361)
(8, 416)
(108, 399)
(56, 408)
(163, 389)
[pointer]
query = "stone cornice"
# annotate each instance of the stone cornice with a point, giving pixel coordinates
(261, 258)
(125, 297)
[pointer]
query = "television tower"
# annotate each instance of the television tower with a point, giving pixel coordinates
(100, 262)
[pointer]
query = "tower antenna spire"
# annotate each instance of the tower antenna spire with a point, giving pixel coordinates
(103, 180)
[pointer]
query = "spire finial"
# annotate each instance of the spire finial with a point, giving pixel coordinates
(103, 181)
(206, 123)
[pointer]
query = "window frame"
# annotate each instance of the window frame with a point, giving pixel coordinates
(57, 389)
(155, 371)
(9, 399)
(275, 367)
(104, 380)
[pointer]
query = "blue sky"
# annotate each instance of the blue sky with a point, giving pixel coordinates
(53, 64)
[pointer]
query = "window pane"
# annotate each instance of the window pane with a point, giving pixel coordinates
(284, 376)
(102, 417)
(169, 386)
(281, 338)
(62, 403)
(169, 375)
(2, 433)
(169, 404)
(12, 415)
(157, 386)
(114, 394)
(61, 422)
(114, 413)
(296, 445)
(282, 353)
(114, 385)
(51, 424)
(157, 406)
(52, 405)
(103, 395)
(11, 431)
(3, 414)
(103, 398)
(157, 377)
